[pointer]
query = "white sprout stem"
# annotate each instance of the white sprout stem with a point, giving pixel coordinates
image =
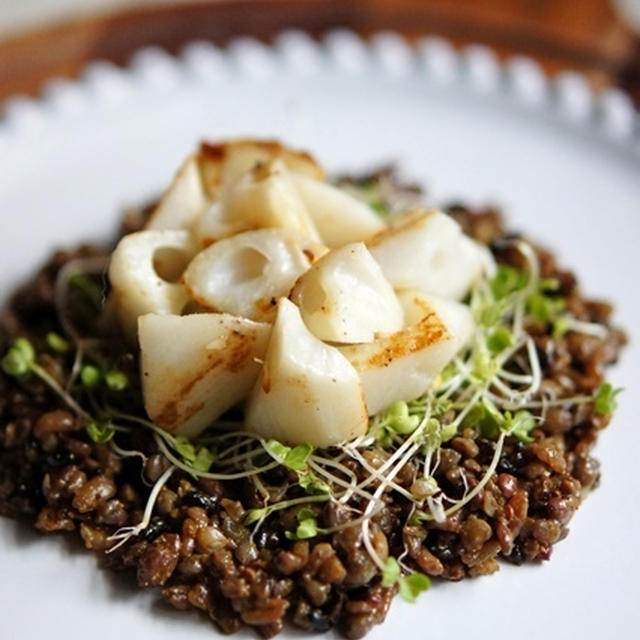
(436, 508)
(587, 328)
(241, 457)
(366, 516)
(75, 369)
(126, 533)
(377, 473)
(126, 453)
(540, 404)
(536, 372)
(352, 485)
(510, 393)
(207, 474)
(286, 504)
(61, 287)
(518, 378)
(55, 386)
(227, 429)
(463, 414)
(517, 326)
(432, 470)
(474, 492)
(229, 450)
(533, 266)
(485, 478)
(261, 488)
(378, 506)
(452, 385)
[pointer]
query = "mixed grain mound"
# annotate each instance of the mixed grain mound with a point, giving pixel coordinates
(197, 550)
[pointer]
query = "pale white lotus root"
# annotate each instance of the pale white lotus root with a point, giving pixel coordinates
(427, 250)
(249, 233)
(196, 367)
(307, 390)
(264, 197)
(144, 270)
(403, 365)
(246, 274)
(338, 293)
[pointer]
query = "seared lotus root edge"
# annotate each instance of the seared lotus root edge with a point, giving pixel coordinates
(198, 545)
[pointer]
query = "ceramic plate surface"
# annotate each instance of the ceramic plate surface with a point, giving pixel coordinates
(564, 164)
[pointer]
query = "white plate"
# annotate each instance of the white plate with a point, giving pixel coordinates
(564, 165)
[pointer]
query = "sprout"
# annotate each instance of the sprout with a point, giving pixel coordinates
(506, 281)
(491, 384)
(90, 376)
(20, 358)
(123, 535)
(56, 342)
(543, 308)
(313, 485)
(519, 425)
(307, 525)
(413, 585)
(293, 458)
(397, 418)
(391, 572)
(100, 432)
(499, 340)
(605, 399)
(116, 380)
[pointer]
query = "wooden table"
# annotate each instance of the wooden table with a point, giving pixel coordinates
(562, 34)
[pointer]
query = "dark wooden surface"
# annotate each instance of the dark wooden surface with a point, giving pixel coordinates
(576, 34)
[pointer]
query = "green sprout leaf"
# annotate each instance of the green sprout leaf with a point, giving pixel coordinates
(520, 425)
(474, 416)
(484, 366)
(448, 372)
(448, 432)
(307, 525)
(486, 418)
(499, 340)
(560, 326)
(253, 515)
(203, 460)
(293, 458)
(296, 459)
(549, 284)
(432, 435)
(543, 308)
(507, 281)
(413, 585)
(23, 346)
(100, 432)
(397, 418)
(380, 208)
(490, 314)
(185, 449)
(56, 342)
(90, 376)
(91, 292)
(391, 572)
(417, 518)
(605, 399)
(305, 514)
(20, 358)
(313, 485)
(278, 449)
(116, 380)
(14, 364)
(440, 406)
